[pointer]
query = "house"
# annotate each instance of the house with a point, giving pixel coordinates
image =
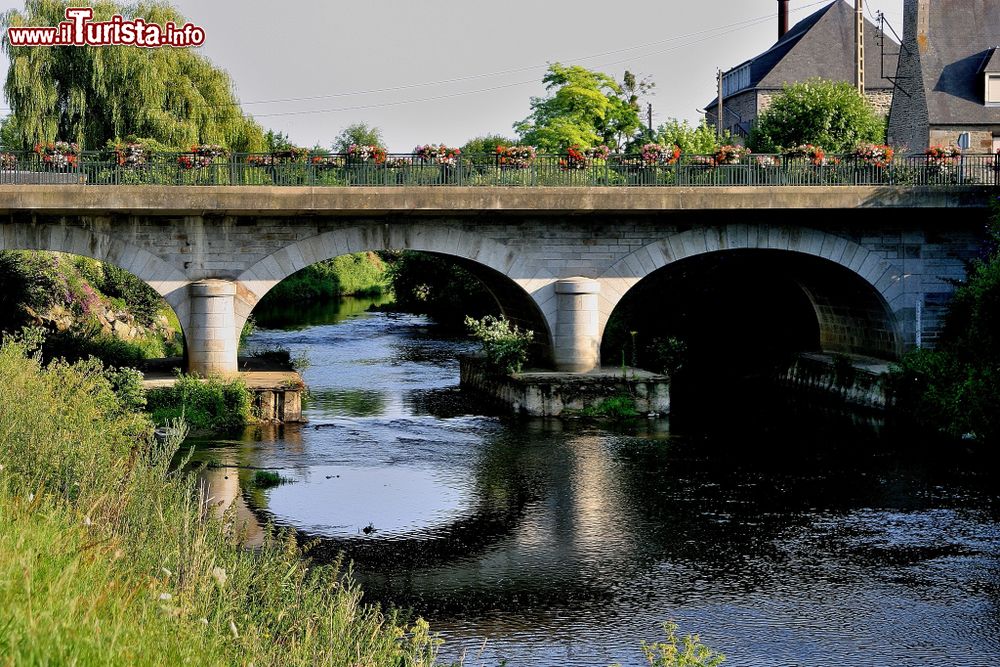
(821, 45)
(949, 71)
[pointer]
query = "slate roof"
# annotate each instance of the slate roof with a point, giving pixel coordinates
(822, 45)
(991, 64)
(961, 36)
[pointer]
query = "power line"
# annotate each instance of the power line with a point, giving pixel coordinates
(520, 83)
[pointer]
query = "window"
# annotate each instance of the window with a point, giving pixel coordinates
(993, 89)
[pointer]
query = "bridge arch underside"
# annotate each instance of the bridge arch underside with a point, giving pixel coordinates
(744, 306)
(167, 281)
(512, 301)
(511, 298)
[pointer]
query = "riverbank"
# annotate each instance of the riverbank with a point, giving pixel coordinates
(109, 558)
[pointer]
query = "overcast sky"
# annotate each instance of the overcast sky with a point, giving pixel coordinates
(443, 71)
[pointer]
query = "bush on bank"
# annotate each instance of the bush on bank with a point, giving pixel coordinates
(956, 387)
(107, 557)
(204, 404)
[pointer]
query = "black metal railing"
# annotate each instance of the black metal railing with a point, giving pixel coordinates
(400, 170)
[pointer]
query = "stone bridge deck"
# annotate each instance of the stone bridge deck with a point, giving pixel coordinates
(876, 263)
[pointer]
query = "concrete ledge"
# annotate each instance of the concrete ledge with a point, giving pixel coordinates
(270, 200)
(554, 394)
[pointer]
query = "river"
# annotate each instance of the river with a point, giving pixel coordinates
(783, 535)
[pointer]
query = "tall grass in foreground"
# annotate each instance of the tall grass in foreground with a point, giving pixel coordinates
(108, 558)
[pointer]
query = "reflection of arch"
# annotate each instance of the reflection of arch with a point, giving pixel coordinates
(869, 299)
(168, 281)
(524, 295)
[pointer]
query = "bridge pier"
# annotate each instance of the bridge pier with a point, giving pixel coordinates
(211, 335)
(577, 341)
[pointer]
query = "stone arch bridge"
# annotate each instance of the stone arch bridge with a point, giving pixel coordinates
(874, 262)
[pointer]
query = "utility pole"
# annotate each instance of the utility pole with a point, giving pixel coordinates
(859, 45)
(718, 117)
(649, 117)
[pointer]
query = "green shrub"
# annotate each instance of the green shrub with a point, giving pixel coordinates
(505, 345)
(128, 387)
(829, 114)
(438, 287)
(686, 651)
(621, 406)
(213, 404)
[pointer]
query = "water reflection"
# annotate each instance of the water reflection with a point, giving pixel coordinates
(784, 536)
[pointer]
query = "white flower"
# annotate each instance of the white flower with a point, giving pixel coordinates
(166, 596)
(87, 521)
(220, 576)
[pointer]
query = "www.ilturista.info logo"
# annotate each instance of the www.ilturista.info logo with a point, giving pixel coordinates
(79, 30)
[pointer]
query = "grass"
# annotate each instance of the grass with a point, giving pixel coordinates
(107, 557)
(267, 479)
(621, 406)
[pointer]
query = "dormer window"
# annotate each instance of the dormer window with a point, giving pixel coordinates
(993, 90)
(990, 71)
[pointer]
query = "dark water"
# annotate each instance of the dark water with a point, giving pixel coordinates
(784, 536)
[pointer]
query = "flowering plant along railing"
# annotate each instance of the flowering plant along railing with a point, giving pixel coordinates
(58, 155)
(514, 166)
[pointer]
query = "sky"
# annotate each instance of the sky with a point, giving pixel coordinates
(444, 71)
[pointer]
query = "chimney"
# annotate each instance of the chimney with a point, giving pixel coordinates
(782, 18)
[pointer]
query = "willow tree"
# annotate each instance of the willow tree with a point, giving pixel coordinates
(92, 94)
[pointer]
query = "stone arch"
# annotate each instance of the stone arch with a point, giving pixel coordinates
(882, 277)
(527, 293)
(168, 281)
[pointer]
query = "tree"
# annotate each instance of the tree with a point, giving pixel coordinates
(94, 94)
(829, 114)
(700, 140)
(583, 108)
(486, 144)
(361, 134)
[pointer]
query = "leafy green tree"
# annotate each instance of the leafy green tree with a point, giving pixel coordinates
(92, 94)
(361, 134)
(487, 144)
(582, 108)
(277, 141)
(700, 140)
(829, 114)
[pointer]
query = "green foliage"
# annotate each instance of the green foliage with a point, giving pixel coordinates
(617, 407)
(277, 141)
(438, 287)
(829, 114)
(486, 144)
(700, 140)
(666, 355)
(361, 134)
(957, 386)
(686, 651)
(583, 108)
(109, 558)
(174, 96)
(213, 404)
(140, 299)
(505, 344)
(360, 273)
(128, 387)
